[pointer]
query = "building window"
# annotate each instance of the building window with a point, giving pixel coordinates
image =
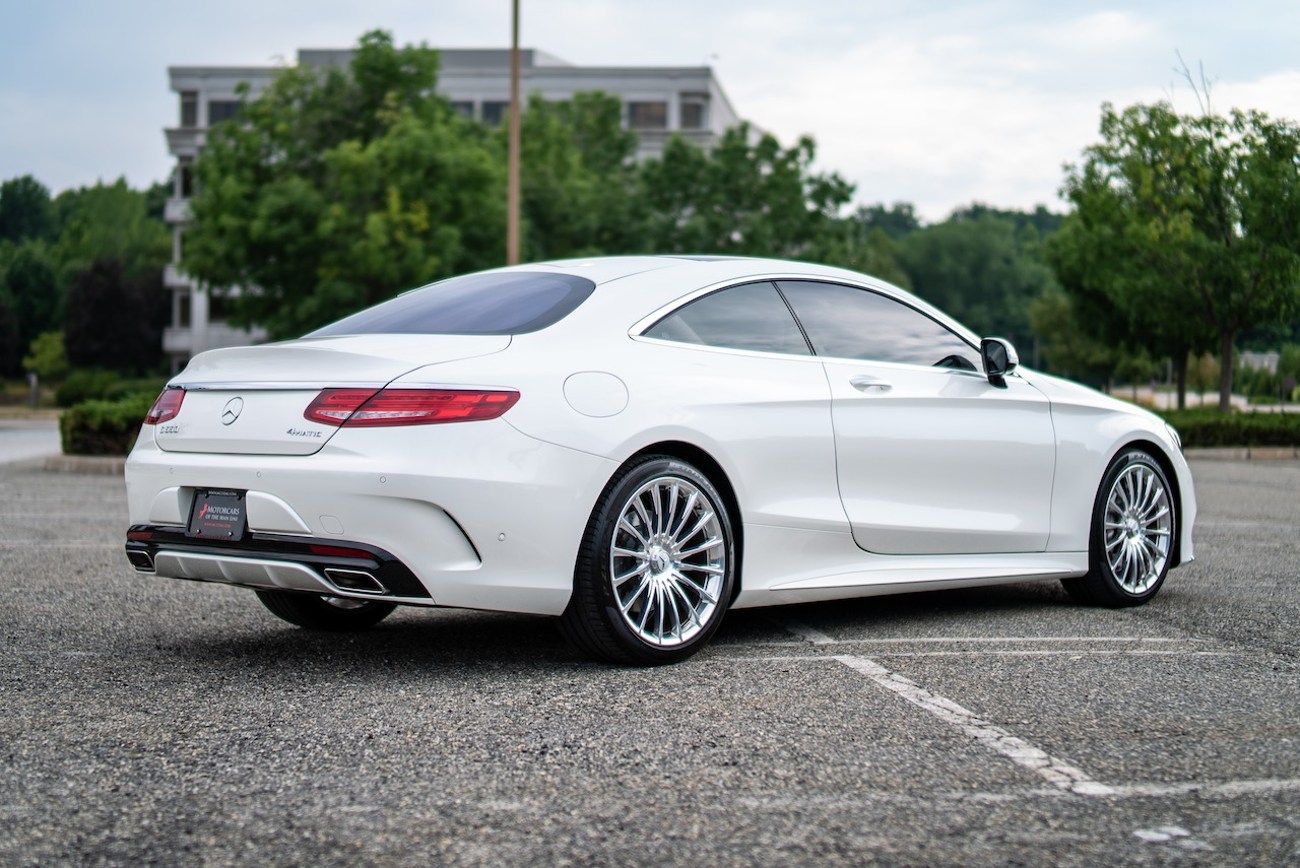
(647, 115)
(495, 111)
(222, 110)
(183, 319)
(185, 169)
(219, 306)
(189, 108)
(695, 111)
(464, 108)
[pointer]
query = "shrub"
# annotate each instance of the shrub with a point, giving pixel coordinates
(1209, 427)
(86, 384)
(104, 427)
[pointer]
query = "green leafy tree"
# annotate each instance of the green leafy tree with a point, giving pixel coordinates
(108, 221)
(742, 197)
(895, 221)
(980, 270)
(10, 351)
(47, 359)
(1066, 347)
(26, 211)
(577, 178)
(1187, 228)
(114, 321)
(339, 187)
(34, 295)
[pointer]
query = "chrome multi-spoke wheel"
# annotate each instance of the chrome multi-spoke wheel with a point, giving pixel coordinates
(657, 567)
(667, 560)
(1134, 529)
(1137, 527)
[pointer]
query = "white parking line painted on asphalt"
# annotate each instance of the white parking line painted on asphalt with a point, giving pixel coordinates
(1054, 770)
(1066, 777)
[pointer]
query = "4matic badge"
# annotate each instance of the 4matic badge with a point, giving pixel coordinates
(298, 432)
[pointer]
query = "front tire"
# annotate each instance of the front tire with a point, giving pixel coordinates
(1134, 523)
(337, 614)
(657, 566)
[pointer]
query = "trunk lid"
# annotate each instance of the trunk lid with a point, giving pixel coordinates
(250, 400)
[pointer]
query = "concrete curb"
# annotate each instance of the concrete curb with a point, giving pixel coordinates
(104, 465)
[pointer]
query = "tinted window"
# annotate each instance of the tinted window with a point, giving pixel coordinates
(508, 303)
(850, 323)
(747, 317)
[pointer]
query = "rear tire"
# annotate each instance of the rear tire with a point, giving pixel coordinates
(315, 612)
(1134, 525)
(657, 566)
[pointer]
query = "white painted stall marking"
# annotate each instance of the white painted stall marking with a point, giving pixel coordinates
(1056, 771)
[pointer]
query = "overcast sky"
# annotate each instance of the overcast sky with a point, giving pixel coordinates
(934, 102)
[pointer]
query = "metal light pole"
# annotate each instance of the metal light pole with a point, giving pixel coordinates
(512, 160)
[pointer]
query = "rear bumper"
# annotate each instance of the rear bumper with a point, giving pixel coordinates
(480, 515)
(273, 562)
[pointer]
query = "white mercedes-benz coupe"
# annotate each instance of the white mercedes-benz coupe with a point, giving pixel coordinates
(636, 445)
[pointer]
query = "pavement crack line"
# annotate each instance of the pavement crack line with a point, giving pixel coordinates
(1054, 770)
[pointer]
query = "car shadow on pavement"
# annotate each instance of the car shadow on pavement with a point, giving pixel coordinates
(444, 641)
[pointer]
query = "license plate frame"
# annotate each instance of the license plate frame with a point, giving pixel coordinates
(218, 514)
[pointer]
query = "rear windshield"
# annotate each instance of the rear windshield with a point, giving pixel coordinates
(508, 303)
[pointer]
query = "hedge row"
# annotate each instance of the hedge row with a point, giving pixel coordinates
(1209, 427)
(104, 427)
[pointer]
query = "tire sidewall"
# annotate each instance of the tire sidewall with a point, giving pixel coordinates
(1100, 564)
(605, 524)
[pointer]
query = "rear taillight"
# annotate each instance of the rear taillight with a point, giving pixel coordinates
(166, 407)
(366, 408)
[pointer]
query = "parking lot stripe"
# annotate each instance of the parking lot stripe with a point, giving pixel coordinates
(1056, 771)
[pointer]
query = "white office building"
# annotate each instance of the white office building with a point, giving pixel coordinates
(658, 102)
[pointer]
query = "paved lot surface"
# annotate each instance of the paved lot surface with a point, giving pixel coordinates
(149, 721)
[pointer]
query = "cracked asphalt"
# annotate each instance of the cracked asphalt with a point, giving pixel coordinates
(150, 721)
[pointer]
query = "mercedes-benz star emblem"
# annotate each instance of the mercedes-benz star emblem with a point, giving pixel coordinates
(231, 411)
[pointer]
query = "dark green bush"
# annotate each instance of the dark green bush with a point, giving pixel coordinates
(1209, 427)
(104, 427)
(86, 384)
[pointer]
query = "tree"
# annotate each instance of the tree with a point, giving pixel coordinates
(47, 360)
(113, 321)
(339, 187)
(1187, 226)
(979, 270)
(109, 221)
(26, 211)
(741, 197)
(895, 221)
(35, 298)
(578, 194)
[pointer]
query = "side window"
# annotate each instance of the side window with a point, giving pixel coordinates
(851, 323)
(747, 317)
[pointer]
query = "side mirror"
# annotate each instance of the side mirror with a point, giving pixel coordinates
(999, 358)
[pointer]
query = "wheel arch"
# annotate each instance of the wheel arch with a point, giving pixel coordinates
(710, 467)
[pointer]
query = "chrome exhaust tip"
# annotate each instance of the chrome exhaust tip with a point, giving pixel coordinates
(355, 580)
(141, 560)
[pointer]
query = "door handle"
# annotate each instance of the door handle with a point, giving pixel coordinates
(864, 382)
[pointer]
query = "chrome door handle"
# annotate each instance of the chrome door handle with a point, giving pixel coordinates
(864, 382)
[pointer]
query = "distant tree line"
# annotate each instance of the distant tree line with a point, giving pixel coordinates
(337, 188)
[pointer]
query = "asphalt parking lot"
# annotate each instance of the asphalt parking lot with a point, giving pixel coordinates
(149, 721)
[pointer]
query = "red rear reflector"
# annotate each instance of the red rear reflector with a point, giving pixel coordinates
(166, 407)
(139, 535)
(407, 406)
(340, 552)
